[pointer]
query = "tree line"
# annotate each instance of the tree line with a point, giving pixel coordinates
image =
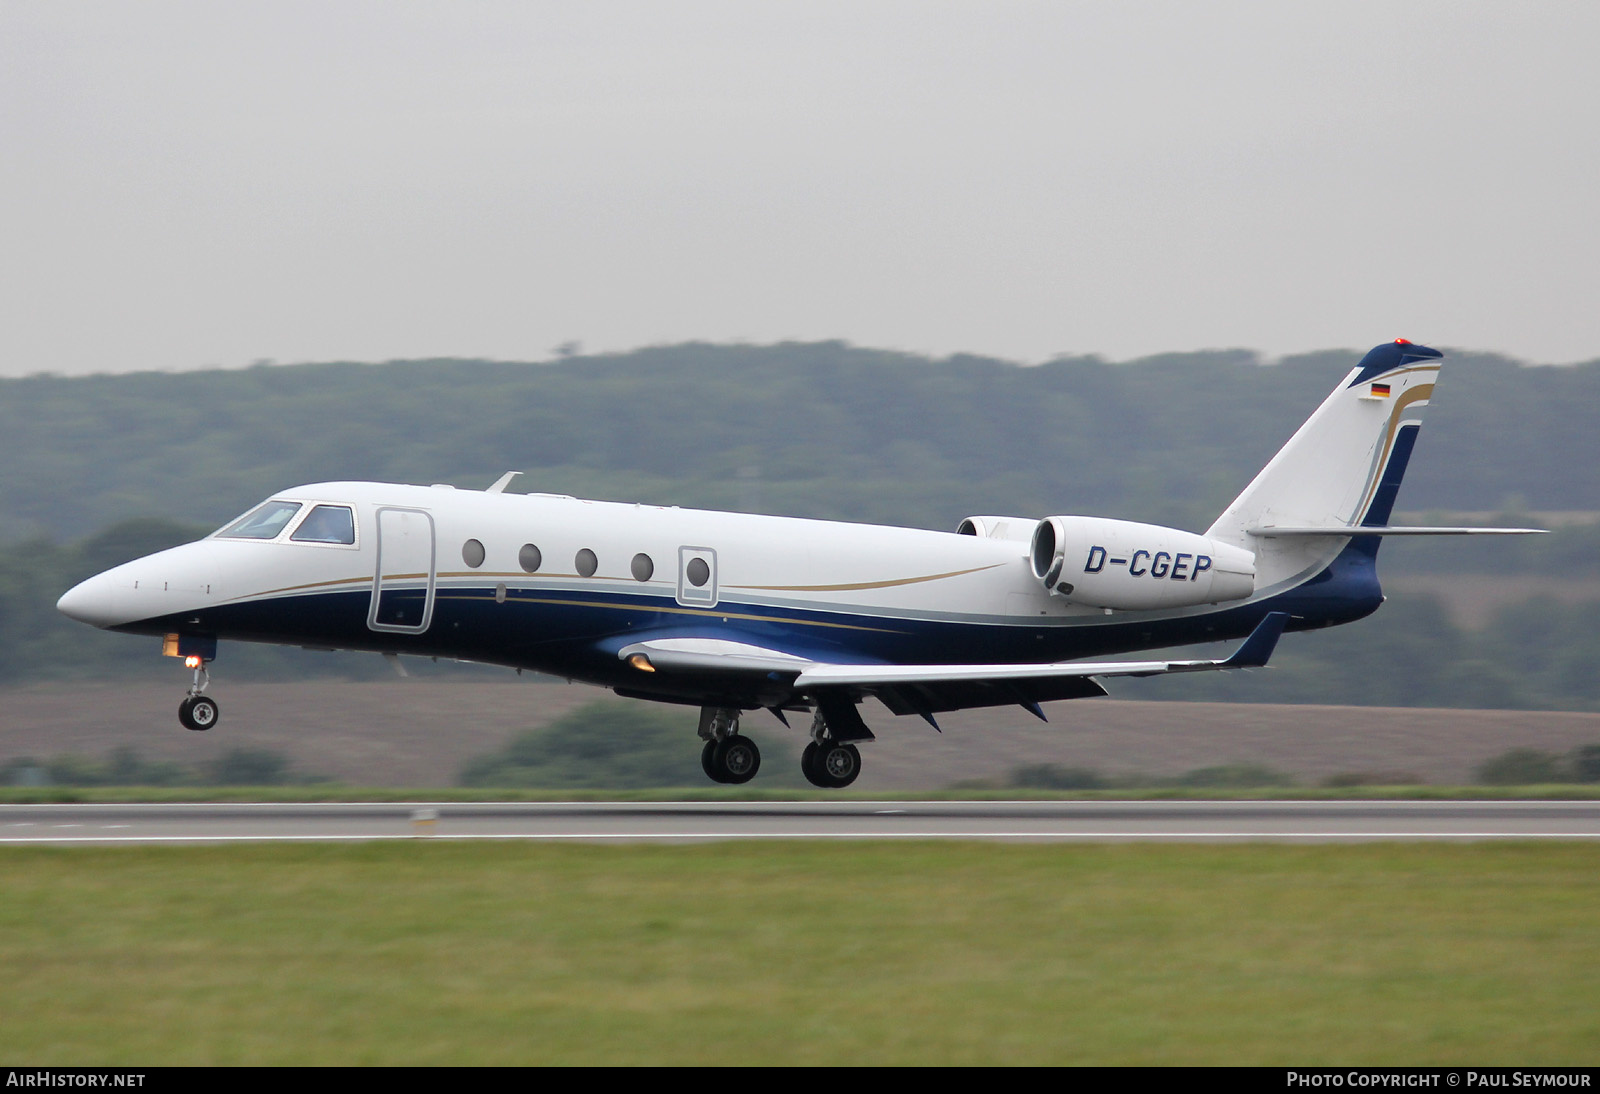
(816, 429)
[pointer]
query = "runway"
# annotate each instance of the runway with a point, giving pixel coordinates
(683, 822)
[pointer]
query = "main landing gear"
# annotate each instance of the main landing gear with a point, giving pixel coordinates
(831, 765)
(198, 711)
(728, 756)
(831, 760)
(827, 761)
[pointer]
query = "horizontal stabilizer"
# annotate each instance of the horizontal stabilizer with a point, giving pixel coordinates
(1390, 530)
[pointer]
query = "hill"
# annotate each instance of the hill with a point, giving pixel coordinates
(823, 430)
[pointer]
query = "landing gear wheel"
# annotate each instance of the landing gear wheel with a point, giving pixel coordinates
(830, 765)
(808, 767)
(198, 712)
(708, 762)
(838, 763)
(736, 759)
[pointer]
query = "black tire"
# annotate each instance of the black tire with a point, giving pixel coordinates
(808, 767)
(708, 762)
(737, 759)
(838, 763)
(198, 712)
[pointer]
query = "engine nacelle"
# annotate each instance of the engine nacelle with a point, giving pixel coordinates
(1017, 528)
(1124, 565)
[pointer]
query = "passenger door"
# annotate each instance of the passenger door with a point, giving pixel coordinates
(403, 576)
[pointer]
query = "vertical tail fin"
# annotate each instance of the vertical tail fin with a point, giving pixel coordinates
(1342, 468)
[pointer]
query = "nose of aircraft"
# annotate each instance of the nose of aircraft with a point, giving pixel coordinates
(91, 602)
(181, 579)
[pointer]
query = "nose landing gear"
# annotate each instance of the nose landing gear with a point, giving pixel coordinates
(198, 711)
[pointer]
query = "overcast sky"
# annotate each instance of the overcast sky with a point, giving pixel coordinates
(194, 184)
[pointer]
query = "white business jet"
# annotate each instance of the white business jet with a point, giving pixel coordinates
(731, 612)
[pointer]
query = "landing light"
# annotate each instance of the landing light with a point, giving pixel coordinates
(641, 662)
(192, 661)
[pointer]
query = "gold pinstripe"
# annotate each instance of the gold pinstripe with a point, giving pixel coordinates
(862, 584)
(846, 587)
(707, 612)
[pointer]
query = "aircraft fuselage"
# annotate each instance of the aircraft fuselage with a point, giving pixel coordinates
(558, 585)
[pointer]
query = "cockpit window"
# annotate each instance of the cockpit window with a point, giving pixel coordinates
(262, 522)
(327, 524)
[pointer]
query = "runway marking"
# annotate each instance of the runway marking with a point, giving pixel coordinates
(863, 804)
(659, 837)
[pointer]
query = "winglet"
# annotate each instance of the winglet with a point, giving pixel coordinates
(1259, 646)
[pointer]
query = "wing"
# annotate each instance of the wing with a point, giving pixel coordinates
(928, 689)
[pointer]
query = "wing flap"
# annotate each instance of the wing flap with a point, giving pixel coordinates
(930, 699)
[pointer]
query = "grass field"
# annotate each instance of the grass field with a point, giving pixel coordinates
(440, 953)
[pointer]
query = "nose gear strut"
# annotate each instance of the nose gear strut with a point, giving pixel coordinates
(198, 711)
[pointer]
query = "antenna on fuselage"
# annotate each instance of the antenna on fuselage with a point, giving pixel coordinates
(502, 482)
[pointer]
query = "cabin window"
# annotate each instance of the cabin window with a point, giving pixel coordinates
(586, 563)
(530, 558)
(643, 567)
(698, 572)
(262, 522)
(327, 524)
(472, 553)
